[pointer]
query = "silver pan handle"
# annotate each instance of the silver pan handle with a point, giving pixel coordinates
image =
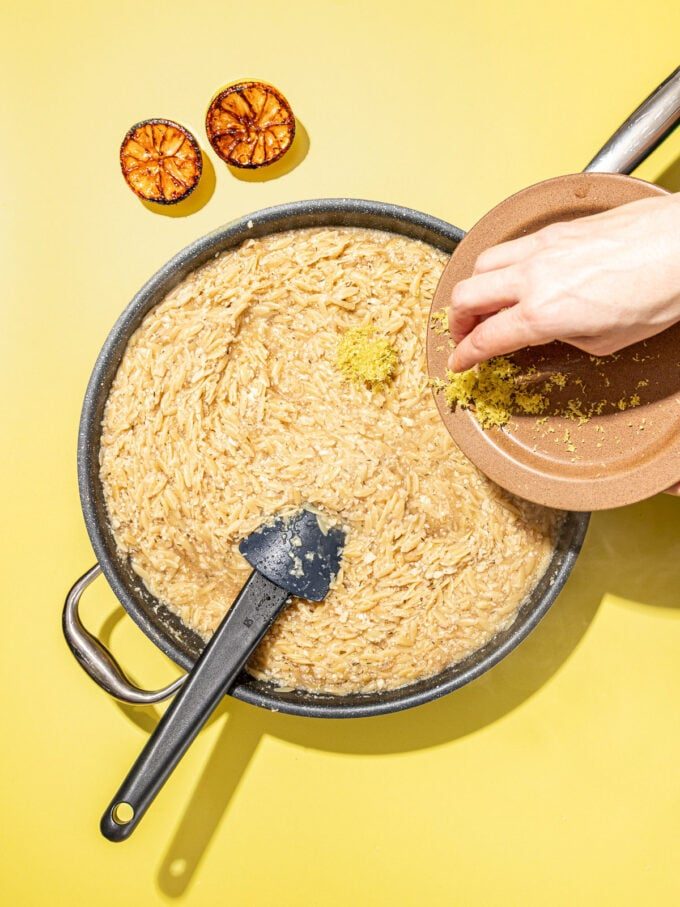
(644, 129)
(96, 660)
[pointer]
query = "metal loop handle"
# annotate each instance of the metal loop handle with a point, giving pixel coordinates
(645, 128)
(96, 660)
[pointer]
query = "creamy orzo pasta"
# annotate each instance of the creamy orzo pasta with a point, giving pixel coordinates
(228, 407)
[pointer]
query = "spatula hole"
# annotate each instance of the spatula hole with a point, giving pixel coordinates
(122, 813)
(178, 867)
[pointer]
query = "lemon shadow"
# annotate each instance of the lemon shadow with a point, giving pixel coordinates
(290, 160)
(194, 202)
(670, 178)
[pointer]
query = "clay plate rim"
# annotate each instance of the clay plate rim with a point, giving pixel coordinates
(504, 455)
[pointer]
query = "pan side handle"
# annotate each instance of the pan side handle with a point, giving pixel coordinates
(96, 660)
(644, 129)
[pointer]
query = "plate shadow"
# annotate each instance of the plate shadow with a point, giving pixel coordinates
(670, 177)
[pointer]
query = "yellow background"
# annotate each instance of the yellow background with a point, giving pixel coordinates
(554, 779)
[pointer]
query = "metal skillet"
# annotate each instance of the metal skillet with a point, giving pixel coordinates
(620, 456)
(161, 625)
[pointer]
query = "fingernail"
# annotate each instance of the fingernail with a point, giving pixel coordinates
(453, 364)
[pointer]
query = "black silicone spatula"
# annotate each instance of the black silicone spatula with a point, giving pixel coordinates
(290, 556)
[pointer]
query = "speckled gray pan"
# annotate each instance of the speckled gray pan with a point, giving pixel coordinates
(163, 627)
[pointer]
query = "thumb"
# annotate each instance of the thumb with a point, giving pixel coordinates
(502, 333)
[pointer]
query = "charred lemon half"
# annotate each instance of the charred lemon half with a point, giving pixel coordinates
(250, 124)
(161, 161)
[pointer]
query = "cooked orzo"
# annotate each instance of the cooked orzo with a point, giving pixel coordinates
(229, 406)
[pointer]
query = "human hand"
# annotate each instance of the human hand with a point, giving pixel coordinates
(599, 283)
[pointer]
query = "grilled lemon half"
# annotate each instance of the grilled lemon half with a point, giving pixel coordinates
(161, 161)
(250, 124)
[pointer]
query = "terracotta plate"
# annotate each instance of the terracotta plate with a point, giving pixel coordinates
(615, 458)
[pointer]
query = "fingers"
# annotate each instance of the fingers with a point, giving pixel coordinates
(674, 489)
(482, 294)
(484, 318)
(508, 253)
(503, 333)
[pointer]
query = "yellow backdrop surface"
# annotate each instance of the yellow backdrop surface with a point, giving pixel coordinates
(554, 779)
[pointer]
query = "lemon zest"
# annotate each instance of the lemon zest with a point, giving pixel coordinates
(366, 358)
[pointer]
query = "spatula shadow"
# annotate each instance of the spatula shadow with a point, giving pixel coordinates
(224, 770)
(618, 544)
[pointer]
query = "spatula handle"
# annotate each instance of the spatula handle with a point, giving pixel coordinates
(233, 642)
(645, 128)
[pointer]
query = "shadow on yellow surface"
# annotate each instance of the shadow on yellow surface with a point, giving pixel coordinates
(291, 159)
(632, 553)
(198, 198)
(670, 178)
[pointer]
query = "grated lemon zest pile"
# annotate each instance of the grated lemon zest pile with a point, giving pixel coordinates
(494, 391)
(366, 358)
